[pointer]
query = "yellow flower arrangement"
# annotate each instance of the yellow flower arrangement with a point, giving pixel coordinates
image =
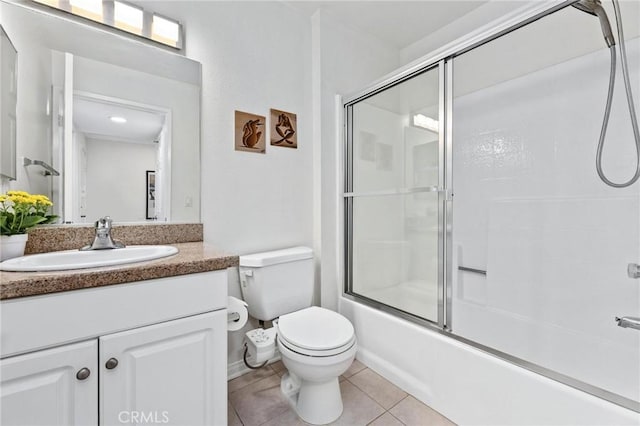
(20, 211)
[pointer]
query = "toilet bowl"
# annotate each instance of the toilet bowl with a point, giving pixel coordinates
(316, 345)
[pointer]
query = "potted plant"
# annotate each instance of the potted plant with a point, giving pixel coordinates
(19, 212)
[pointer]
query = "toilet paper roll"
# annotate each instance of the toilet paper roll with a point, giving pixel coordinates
(236, 306)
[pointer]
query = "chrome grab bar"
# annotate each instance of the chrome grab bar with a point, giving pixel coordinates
(629, 322)
(633, 270)
(474, 270)
(49, 171)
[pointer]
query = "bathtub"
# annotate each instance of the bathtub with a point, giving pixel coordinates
(466, 384)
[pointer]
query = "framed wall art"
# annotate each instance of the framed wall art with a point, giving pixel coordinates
(250, 132)
(284, 129)
(151, 195)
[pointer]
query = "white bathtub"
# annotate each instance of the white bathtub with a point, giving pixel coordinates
(467, 385)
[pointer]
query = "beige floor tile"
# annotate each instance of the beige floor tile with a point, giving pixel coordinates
(232, 417)
(412, 412)
(249, 378)
(386, 420)
(278, 367)
(377, 387)
(288, 418)
(359, 409)
(354, 368)
(259, 402)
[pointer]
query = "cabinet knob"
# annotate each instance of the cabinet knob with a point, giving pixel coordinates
(111, 363)
(83, 374)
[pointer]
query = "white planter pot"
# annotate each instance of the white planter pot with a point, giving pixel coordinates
(12, 246)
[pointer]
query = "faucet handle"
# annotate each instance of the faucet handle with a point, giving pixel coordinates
(104, 222)
(103, 239)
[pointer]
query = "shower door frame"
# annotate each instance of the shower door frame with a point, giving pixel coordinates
(444, 241)
(443, 60)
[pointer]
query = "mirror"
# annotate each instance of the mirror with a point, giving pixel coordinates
(134, 137)
(8, 98)
(77, 79)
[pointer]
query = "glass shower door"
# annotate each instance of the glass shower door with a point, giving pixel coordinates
(531, 211)
(392, 197)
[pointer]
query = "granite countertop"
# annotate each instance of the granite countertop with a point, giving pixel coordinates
(193, 257)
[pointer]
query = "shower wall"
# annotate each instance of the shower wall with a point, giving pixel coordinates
(530, 209)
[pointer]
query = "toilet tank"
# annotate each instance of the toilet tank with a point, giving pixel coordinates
(278, 282)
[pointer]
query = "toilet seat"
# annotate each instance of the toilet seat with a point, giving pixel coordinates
(316, 332)
(318, 353)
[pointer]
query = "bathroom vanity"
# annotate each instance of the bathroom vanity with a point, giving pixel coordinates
(140, 343)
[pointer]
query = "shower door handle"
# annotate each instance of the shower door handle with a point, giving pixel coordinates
(474, 270)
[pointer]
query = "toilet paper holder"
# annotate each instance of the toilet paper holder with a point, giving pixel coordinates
(237, 314)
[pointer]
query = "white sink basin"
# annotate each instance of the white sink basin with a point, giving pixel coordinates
(76, 259)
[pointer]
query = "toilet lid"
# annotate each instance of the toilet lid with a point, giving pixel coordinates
(316, 329)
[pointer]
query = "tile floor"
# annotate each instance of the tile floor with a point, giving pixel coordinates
(369, 399)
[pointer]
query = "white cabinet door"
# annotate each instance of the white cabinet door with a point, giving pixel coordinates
(169, 373)
(48, 387)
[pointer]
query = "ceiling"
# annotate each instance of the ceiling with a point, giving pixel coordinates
(91, 117)
(399, 23)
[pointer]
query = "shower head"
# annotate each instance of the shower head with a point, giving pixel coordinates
(594, 7)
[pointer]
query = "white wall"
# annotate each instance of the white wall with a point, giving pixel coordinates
(473, 20)
(346, 60)
(255, 56)
(482, 17)
(111, 164)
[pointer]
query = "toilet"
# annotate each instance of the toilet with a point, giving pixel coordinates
(316, 345)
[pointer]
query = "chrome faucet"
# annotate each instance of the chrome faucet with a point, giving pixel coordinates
(103, 240)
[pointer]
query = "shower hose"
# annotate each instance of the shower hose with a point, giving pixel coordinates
(607, 112)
